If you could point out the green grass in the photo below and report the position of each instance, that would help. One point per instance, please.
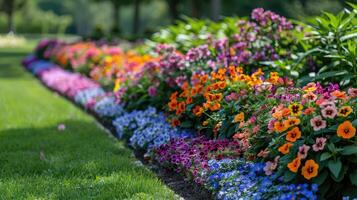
(37, 161)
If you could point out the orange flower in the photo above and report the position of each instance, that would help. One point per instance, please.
(175, 122)
(239, 117)
(222, 84)
(279, 126)
(346, 130)
(338, 94)
(291, 121)
(197, 110)
(310, 169)
(308, 111)
(172, 105)
(285, 148)
(204, 78)
(215, 106)
(294, 165)
(218, 97)
(293, 134)
(277, 115)
(344, 111)
(205, 123)
(189, 100)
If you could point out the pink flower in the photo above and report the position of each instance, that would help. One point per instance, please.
(318, 123)
(310, 96)
(303, 151)
(61, 127)
(271, 166)
(319, 144)
(352, 92)
(263, 153)
(152, 91)
(326, 104)
(256, 129)
(329, 112)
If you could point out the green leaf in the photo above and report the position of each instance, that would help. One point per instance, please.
(349, 36)
(186, 124)
(335, 167)
(349, 150)
(288, 176)
(353, 177)
(320, 179)
(325, 156)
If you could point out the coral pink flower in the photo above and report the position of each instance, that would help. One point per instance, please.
(318, 123)
(352, 92)
(326, 104)
(329, 112)
(319, 144)
(303, 151)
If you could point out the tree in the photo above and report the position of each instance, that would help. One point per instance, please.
(9, 7)
(216, 9)
(136, 17)
(173, 9)
(116, 4)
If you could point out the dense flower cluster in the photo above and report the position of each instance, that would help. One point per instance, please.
(233, 118)
(147, 129)
(191, 156)
(239, 179)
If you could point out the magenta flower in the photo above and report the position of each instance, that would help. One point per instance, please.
(329, 112)
(152, 91)
(303, 151)
(318, 123)
(319, 144)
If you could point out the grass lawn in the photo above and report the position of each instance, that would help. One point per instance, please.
(37, 161)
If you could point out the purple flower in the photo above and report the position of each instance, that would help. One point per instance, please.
(152, 91)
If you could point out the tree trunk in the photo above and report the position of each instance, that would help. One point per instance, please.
(136, 17)
(116, 19)
(173, 8)
(195, 8)
(9, 10)
(10, 22)
(216, 9)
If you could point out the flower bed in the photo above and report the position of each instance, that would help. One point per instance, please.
(214, 114)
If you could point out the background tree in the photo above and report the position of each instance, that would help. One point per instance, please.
(9, 7)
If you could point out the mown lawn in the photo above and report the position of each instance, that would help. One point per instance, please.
(37, 161)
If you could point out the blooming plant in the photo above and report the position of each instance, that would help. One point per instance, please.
(217, 102)
(239, 179)
(313, 137)
(191, 156)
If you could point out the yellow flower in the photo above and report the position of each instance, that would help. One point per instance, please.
(295, 109)
(117, 85)
(239, 117)
(344, 111)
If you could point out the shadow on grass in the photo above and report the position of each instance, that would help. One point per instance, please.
(10, 64)
(81, 150)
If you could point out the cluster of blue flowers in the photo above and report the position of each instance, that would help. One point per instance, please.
(39, 66)
(108, 107)
(147, 129)
(239, 179)
(85, 96)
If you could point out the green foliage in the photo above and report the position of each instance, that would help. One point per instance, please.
(333, 48)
